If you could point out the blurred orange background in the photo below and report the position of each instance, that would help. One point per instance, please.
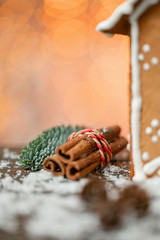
(56, 69)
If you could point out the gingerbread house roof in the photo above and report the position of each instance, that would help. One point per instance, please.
(119, 22)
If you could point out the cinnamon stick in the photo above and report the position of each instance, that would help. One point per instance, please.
(78, 146)
(80, 155)
(82, 148)
(54, 165)
(82, 167)
(111, 132)
(77, 169)
(118, 145)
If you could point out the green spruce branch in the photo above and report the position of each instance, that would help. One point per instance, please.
(33, 155)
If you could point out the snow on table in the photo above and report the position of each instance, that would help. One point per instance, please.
(36, 205)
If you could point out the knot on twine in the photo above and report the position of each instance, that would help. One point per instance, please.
(101, 142)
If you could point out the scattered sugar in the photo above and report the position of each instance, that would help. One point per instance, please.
(152, 185)
(4, 164)
(53, 208)
(69, 222)
(8, 212)
(114, 173)
(17, 164)
(9, 154)
(60, 205)
(18, 173)
(42, 181)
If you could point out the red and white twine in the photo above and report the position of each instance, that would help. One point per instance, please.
(101, 142)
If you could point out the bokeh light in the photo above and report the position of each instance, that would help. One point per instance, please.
(63, 9)
(75, 33)
(56, 69)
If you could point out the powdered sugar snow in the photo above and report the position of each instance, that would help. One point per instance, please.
(51, 206)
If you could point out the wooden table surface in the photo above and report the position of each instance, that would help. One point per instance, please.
(4, 235)
(66, 201)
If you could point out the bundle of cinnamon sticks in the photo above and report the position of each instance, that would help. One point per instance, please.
(80, 156)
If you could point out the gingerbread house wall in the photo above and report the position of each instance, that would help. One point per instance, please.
(149, 62)
(144, 81)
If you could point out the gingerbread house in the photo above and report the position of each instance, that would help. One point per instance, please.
(140, 19)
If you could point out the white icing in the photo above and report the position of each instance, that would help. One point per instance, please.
(145, 156)
(155, 123)
(146, 48)
(140, 57)
(125, 8)
(139, 176)
(158, 132)
(128, 147)
(128, 137)
(136, 99)
(148, 131)
(154, 61)
(154, 139)
(152, 166)
(146, 66)
(142, 7)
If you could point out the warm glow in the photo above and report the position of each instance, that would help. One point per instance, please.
(56, 69)
(84, 102)
(63, 9)
(74, 32)
(65, 5)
